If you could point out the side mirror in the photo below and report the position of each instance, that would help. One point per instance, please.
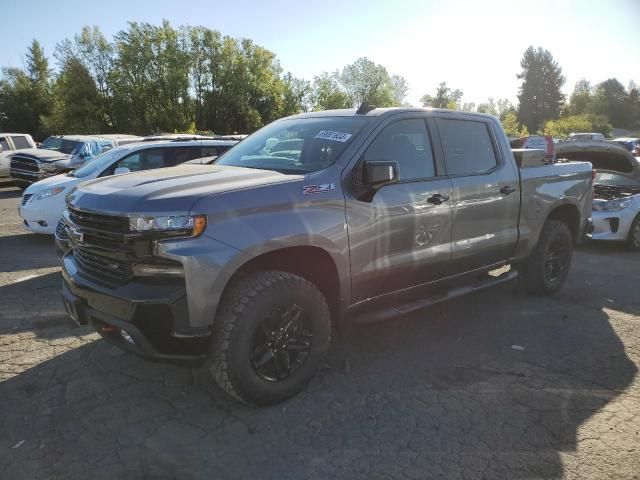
(121, 170)
(379, 173)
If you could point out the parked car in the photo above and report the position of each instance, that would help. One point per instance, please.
(631, 144)
(60, 154)
(616, 204)
(583, 137)
(249, 263)
(538, 142)
(43, 202)
(9, 144)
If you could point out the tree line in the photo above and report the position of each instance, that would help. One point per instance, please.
(157, 78)
(151, 79)
(543, 108)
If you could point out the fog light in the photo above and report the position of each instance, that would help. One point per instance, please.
(142, 270)
(42, 223)
(127, 337)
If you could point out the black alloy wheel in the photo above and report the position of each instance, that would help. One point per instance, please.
(281, 344)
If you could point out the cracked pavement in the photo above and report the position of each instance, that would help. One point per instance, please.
(436, 394)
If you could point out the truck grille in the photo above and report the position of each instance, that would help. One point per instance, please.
(99, 222)
(100, 268)
(25, 164)
(25, 198)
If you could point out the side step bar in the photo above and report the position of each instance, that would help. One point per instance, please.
(381, 315)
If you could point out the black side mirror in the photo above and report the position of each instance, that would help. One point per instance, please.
(379, 173)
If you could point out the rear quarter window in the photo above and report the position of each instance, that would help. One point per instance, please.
(20, 142)
(468, 147)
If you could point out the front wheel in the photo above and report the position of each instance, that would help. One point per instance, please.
(271, 336)
(546, 270)
(633, 240)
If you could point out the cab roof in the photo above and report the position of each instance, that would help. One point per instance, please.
(379, 112)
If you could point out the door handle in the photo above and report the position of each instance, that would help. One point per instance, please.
(437, 199)
(507, 189)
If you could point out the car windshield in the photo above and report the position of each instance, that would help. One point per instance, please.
(62, 145)
(99, 163)
(299, 145)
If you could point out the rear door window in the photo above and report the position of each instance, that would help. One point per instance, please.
(468, 147)
(4, 143)
(178, 155)
(20, 142)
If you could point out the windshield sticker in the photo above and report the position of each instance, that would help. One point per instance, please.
(334, 136)
(321, 188)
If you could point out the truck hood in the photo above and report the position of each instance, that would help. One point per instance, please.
(43, 155)
(168, 190)
(604, 156)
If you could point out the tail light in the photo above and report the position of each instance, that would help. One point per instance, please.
(551, 149)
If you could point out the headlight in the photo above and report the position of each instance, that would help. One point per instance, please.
(48, 193)
(48, 167)
(183, 225)
(612, 205)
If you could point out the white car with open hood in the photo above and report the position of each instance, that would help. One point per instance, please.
(616, 204)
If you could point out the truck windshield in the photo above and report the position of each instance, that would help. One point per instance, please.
(299, 145)
(62, 145)
(99, 163)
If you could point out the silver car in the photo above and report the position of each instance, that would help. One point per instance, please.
(616, 204)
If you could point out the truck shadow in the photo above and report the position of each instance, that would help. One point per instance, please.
(27, 251)
(440, 393)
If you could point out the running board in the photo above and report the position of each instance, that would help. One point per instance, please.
(381, 315)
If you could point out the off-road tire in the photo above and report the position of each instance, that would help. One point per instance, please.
(536, 280)
(244, 305)
(633, 241)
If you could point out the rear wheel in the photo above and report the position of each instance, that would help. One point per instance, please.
(271, 336)
(548, 266)
(633, 240)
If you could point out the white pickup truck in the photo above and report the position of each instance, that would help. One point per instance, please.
(9, 143)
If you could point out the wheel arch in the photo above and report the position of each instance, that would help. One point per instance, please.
(312, 263)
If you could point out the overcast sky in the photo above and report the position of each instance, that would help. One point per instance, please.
(475, 46)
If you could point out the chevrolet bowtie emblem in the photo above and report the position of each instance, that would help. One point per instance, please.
(78, 237)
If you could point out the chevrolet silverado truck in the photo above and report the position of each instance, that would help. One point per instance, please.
(250, 264)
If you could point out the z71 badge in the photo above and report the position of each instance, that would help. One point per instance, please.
(321, 188)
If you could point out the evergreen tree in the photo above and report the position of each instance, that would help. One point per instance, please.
(540, 97)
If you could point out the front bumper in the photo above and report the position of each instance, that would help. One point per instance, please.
(146, 316)
(39, 219)
(612, 226)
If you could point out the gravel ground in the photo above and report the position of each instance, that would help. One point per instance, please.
(438, 394)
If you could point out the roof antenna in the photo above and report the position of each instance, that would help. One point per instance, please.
(365, 108)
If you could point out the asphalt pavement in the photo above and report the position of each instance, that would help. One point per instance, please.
(495, 385)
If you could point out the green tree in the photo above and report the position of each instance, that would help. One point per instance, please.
(581, 98)
(77, 102)
(585, 122)
(444, 98)
(511, 126)
(612, 100)
(327, 94)
(540, 98)
(25, 95)
(366, 81)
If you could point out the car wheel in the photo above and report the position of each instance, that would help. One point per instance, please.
(548, 266)
(271, 336)
(633, 239)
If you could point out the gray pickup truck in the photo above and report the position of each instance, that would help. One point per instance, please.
(250, 264)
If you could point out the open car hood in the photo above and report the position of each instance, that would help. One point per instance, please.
(604, 156)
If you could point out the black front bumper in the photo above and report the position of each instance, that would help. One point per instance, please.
(145, 316)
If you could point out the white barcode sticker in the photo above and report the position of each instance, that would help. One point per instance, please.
(334, 136)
